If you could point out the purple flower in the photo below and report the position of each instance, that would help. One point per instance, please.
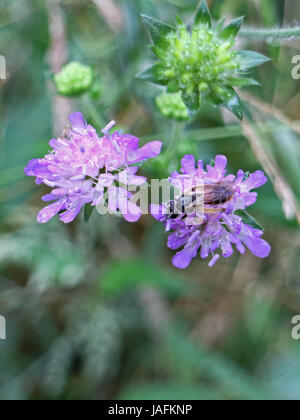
(83, 168)
(211, 224)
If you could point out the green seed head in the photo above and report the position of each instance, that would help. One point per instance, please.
(74, 79)
(201, 62)
(197, 61)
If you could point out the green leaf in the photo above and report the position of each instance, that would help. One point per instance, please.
(241, 82)
(234, 105)
(229, 99)
(233, 28)
(173, 86)
(179, 21)
(88, 211)
(219, 25)
(154, 74)
(203, 14)
(218, 368)
(122, 276)
(157, 28)
(170, 391)
(249, 220)
(250, 59)
(158, 51)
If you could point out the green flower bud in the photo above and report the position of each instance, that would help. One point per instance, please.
(172, 106)
(201, 62)
(74, 79)
(204, 87)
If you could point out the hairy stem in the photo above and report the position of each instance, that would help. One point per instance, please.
(93, 113)
(176, 137)
(273, 33)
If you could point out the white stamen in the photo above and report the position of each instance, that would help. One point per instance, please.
(214, 260)
(107, 129)
(106, 132)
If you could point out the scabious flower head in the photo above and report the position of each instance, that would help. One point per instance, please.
(200, 62)
(74, 79)
(172, 106)
(83, 168)
(218, 227)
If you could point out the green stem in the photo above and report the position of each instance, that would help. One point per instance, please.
(273, 33)
(93, 113)
(176, 138)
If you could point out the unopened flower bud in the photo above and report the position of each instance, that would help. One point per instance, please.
(172, 106)
(74, 79)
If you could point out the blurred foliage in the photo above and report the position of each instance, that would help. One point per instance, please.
(95, 311)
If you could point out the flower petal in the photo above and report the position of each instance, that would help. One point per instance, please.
(177, 239)
(38, 168)
(126, 178)
(50, 211)
(183, 258)
(126, 141)
(188, 165)
(70, 215)
(78, 122)
(255, 180)
(105, 180)
(49, 197)
(130, 211)
(205, 249)
(240, 176)
(150, 150)
(220, 165)
(158, 212)
(259, 247)
(219, 170)
(226, 247)
(245, 200)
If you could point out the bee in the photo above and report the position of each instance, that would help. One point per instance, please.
(206, 199)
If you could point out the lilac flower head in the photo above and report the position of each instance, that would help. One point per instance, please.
(83, 168)
(212, 223)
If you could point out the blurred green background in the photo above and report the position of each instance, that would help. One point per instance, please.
(96, 311)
